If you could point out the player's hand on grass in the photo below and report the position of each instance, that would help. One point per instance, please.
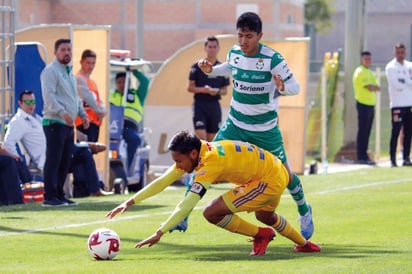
(120, 208)
(151, 240)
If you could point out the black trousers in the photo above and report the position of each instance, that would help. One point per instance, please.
(23, 171)
(85, 176)
(401, 118)
(10, 190)
(59, 139)
(366, 115)
(92, 132)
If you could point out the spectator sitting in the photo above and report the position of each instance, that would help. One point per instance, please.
(25, 127)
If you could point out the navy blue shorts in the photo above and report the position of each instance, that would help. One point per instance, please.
(207, 115)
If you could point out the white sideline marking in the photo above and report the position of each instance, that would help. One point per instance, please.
(365, 185)
(118, 219)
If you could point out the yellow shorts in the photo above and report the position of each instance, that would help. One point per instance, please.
(263, 194)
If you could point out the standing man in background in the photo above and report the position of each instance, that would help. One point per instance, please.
(87, 89)
(365, 87)
(399, 74)
(61, 106)
(207, 90)
(133, 110)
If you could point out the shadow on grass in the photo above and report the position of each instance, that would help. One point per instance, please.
(217, 253)
(102, 206)
(220, 252)
(84, 204)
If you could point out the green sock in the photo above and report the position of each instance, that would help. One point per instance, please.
(296, 190)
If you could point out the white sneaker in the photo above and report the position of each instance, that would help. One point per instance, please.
(306, 224)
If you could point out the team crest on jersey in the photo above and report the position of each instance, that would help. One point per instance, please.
(260, 64)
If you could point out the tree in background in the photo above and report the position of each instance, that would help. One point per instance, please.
(317, 20)
(318, 13)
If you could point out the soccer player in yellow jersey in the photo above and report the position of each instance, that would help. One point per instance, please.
(260, 180)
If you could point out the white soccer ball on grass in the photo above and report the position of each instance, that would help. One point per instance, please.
(103, 244)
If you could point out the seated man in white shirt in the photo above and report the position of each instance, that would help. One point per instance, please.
(26, 128)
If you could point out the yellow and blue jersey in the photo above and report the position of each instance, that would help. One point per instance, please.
(234, 161)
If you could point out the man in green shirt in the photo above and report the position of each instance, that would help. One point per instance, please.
(365, 87)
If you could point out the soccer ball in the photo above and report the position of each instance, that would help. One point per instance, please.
(103, 244)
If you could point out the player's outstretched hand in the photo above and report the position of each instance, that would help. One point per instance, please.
(120, 208)
(205, 65)
(151, 240)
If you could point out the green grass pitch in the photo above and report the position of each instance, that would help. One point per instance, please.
(362, 221)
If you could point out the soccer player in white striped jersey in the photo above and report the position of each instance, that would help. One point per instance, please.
(260, 74)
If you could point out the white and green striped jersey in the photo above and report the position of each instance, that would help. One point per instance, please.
(254, 104)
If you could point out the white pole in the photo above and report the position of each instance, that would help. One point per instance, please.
(324, 130)
(378, 117)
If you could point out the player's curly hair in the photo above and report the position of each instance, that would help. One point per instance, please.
(184, 142)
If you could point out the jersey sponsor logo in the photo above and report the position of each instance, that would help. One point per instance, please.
(242, 87)
(258, 77)
(244, 76)
(247, 76)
